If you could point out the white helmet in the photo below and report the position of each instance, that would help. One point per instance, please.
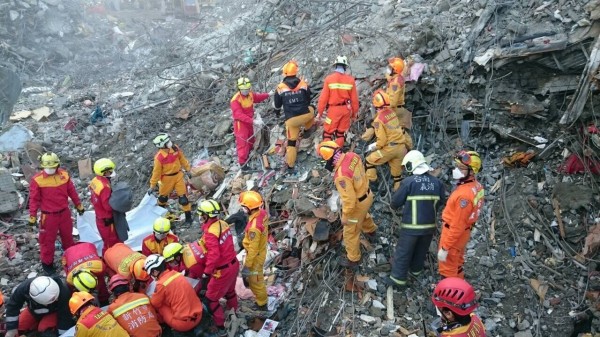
(152, 262)
(44, 290)
(415, 162)
(343, 60)
(161, 140)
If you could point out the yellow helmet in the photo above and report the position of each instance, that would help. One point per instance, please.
(161, 225)
(49, 160)
(327, 149)
(470, 159)
(290, 68)
(251, 199)
(161, 140)
(84, 280)
(341, 60)
(243, 83)
(171, 250)
(102, 165)
(209, 207)
(397, 65)
(380, 99)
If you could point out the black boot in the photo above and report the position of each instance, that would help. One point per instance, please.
(188, 218)
(48, 269)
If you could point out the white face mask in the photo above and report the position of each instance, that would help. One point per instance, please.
(170, 144)
(388, 71)
(160, 236)
(113, 174)
(245, 92)
(457, 174)
(50, 171)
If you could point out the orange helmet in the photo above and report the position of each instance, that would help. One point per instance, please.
(290, 68)
(380, 99)
(1, 299)
(78, 300)
(397, 65)
(327, 149)
(251, 199)
(137, 270)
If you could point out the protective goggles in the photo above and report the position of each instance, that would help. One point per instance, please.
(463, 157)
(463, 306)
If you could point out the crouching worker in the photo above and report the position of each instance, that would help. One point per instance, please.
(174, 298)
(132, 311)
(174, 257)
(91, 320)
(86, 270)
(455, 299)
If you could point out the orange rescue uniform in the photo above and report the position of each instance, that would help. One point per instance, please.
(94, 322)
(459, 216)
(176, 301)
(151, 246)
(395, 90)
(474, 329)
(255, 243)
(353, 186)
(168, 175)
(340, 97)
(135, 314)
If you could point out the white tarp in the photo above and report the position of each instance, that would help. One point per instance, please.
(140, 221)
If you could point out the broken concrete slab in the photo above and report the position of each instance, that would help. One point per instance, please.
(9, 197)
(15, 138)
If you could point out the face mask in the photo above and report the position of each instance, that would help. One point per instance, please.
(170, 144)
(50, 171)
(457, 174)
(245, 92)
(388, 71)
(160, 236)
(245, 209)
(113, 174)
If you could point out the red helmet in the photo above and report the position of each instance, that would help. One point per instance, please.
(115, 281)
(455, 294)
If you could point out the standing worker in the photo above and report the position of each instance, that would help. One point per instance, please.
(47, 311)
(49, 191)
(256, 236)
(352, 184)
(293, 95)
(456, 300)
(132, 311)
(160, 237)
(242, 109)
(167, 173)
(395, 90)
(390, 146)
(101, 190)
(91, 320)
(460, 214)
(421, 196)
(340, 98)
(221, 265)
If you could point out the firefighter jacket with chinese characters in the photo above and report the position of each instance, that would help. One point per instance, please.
(422, 196)
(94, 322)
(218, 240)
(136, 315)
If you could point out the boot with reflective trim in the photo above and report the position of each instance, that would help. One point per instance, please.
(394, 282)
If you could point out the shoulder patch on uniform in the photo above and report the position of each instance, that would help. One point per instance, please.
(376, 125)
(394, 87)
(342, 184)
(252, 235)
(463, 203)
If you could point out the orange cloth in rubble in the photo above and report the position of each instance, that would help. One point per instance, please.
(151, 246)
(338, 89)
(176, 301)
(94, 322)
(136, 315)
(168, 162)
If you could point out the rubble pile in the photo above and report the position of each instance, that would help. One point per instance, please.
(504, 78)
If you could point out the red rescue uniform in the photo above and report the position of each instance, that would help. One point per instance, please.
(100, 195)
(84, 255)
(50, 194)
(474, 329)
(151, 246)
(242, 109)
(194, 258)
(459, 216)
(340, 98)
(136, 315)
(222, 265)
(176, 301)
(94, 322)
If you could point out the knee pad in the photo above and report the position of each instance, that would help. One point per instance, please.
(327, 135)
(339, 134)
(163, 199)
(183, 200)
(397, 178)
(291, 142)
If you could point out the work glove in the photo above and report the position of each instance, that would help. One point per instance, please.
(258, 122)
(80, 210)
(442, 255)
(246, 271)
(108, 222)
(271, 93)
(372, 147)
(32, 222)
(12, 333)
(152, 190)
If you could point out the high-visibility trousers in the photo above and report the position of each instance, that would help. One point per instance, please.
(292, 127)
(360, 221)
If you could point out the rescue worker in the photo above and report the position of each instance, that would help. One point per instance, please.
(167, 173)
(160, 237)
(194, 259)
(49, 192)
(221, 265)
(352, 184)
(133, 311)
(340, 98)
(140, 278)
(395, 89)
(460, 214)
(100, 188)
(420, 196)
(256, 236)
(83, 280)
(242, 109)
(456, 301)
(47, 307)
(174, 298)
(82, 260)
(293, 95)
(390, 146)
(174, 257)
(91, 320)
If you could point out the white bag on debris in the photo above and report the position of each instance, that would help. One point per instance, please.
(138, 219)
